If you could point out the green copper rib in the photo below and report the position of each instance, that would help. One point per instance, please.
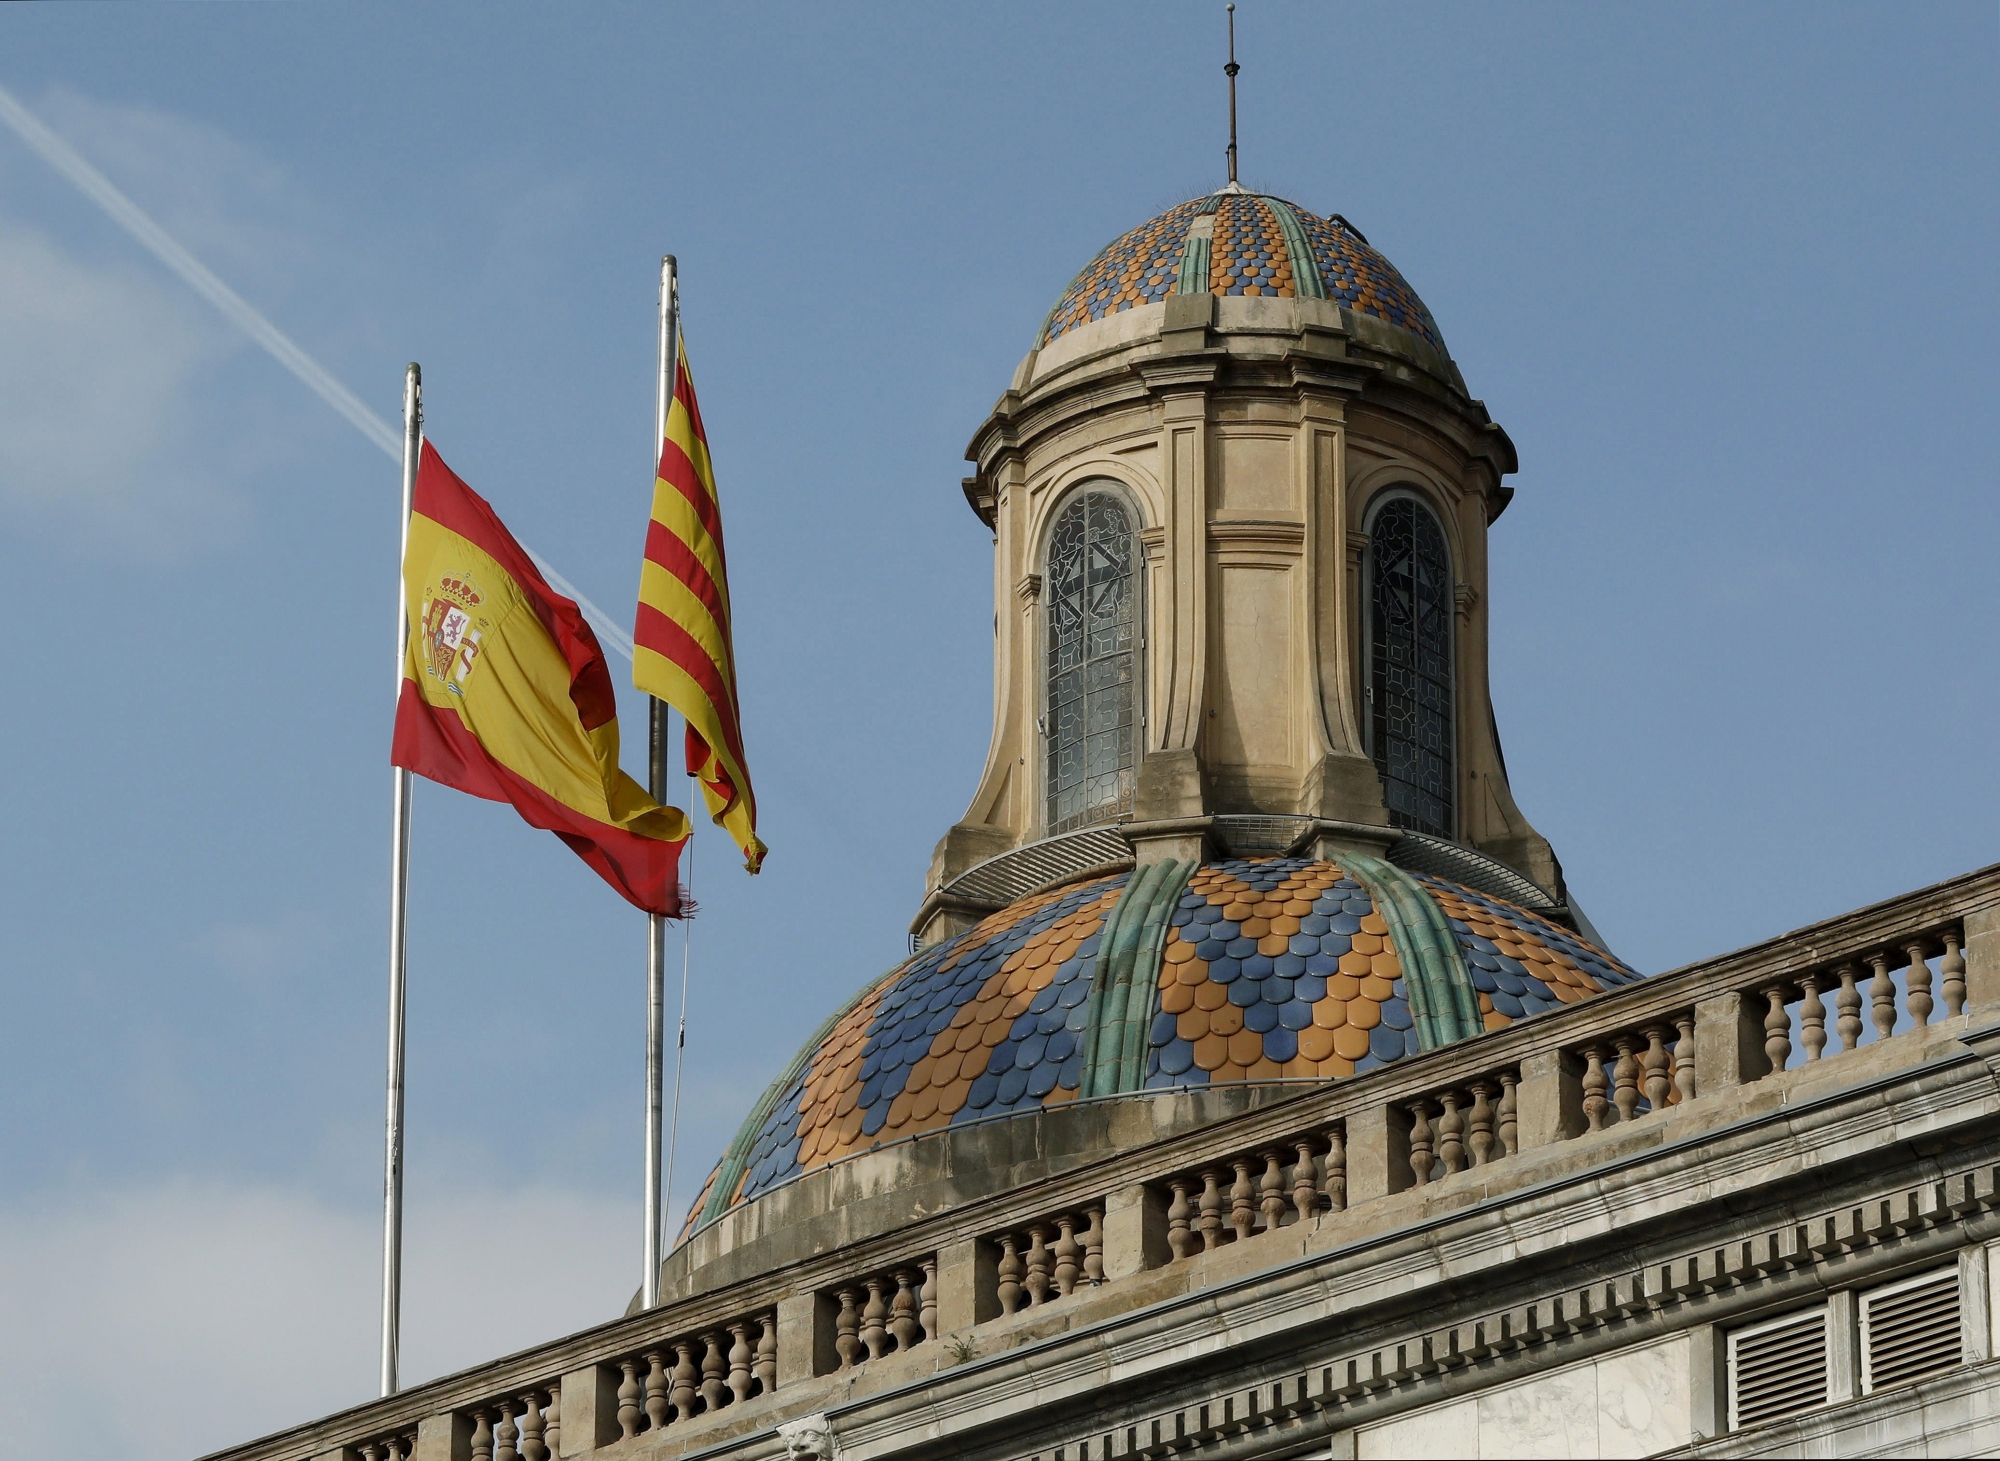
(1306, 282)
(1194, 267)
(1144, 979)
(1443, 1005)
(1121, 988)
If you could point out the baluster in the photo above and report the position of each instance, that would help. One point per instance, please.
(506, 1435)
(1242, 1199)
(1684, 1058)
(1479, 1123)
(533, 1447)
(1271, 1192)
(1655, 1078)
(1882, 996)
(1595, 1084)
(1848, 1002)
(1336, 1167)
(403, 1447)
(1952, 968)
(1777, 1028)
(903, 1321)
(628, 1400)
(767, 1355)
(1625, 1080)
(1508, 1127)
(686, 1380)
(1041, 1264)
(1919, 982)
(927, 1300)
(552, 1419)
(1180, 1228)
(372, 1451)
(482, 1439)
(1305, 1179)
(714, 1373)
(875, 1320)
(657, 1398)
(1068, 1255)
(1812, 1017)
(742, 1384)
(849, 1327)
(1451, 1136)
(1093, 1247)
(1012, 1271)
(1210, 1222)
(1420, 1141)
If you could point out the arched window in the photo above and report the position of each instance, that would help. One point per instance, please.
(1091, 608)
(1411, 696)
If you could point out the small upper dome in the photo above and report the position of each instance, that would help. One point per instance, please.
(1241, 243)
(1250, 970)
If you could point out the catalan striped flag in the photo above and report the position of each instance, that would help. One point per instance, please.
(682, 649)
(506, 695)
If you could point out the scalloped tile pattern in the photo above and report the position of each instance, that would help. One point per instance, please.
(1360, 278)
(1138, 268)
(1249, 255)
(987, 1023)
(1521, 964)
(1276, 969)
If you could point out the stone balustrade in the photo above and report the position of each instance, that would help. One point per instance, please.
(974, 1276)
(886, 1312)
(1049, 1259)
(1237, 1196)
(1462, 1127)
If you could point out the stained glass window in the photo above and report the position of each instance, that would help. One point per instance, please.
(1410, 692)
(1091, 608)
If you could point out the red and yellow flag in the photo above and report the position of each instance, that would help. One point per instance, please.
(506, 695)
(683, 652)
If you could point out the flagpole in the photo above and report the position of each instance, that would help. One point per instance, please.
(399, 890)
(656, 926)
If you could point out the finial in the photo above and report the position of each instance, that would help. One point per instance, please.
(1230, 71)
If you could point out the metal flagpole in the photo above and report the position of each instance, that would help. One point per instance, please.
(656, 926)
(399, 891)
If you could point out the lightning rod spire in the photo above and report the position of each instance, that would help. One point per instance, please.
(1230, 71)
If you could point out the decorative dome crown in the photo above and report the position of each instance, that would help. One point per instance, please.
(1252, 970)
(1234, 242)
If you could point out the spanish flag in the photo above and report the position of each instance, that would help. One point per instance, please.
(683, 653)
(506, 695)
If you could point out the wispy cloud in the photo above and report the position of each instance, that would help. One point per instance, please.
(128, 215)
(171, 1320)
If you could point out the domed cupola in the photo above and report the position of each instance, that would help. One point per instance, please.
(1235, 243)
(1244, 821)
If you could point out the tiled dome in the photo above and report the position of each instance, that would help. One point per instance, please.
(1256, 970)
(1239, 243)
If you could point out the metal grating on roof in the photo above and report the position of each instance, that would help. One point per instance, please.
(1422, 853)
(1019, 872)
(1248, 836)
(1909, 1330)
(1777, 1368)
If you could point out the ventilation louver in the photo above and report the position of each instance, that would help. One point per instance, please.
(1777, 1368)
(1909, 1330)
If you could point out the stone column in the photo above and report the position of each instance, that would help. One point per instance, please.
(1728, 1042)
(1378, 1154)
(805, 1338)
(444, 1438)
(1549, 1099)
(968, 1285)
(589, 1409)
(1982, 964)
(1135, 1231)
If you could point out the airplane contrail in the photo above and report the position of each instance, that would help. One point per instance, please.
(128, 215)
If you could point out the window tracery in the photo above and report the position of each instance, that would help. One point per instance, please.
(1411, 692)
(1091, 639)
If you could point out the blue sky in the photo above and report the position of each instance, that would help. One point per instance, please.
(1724, 273)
